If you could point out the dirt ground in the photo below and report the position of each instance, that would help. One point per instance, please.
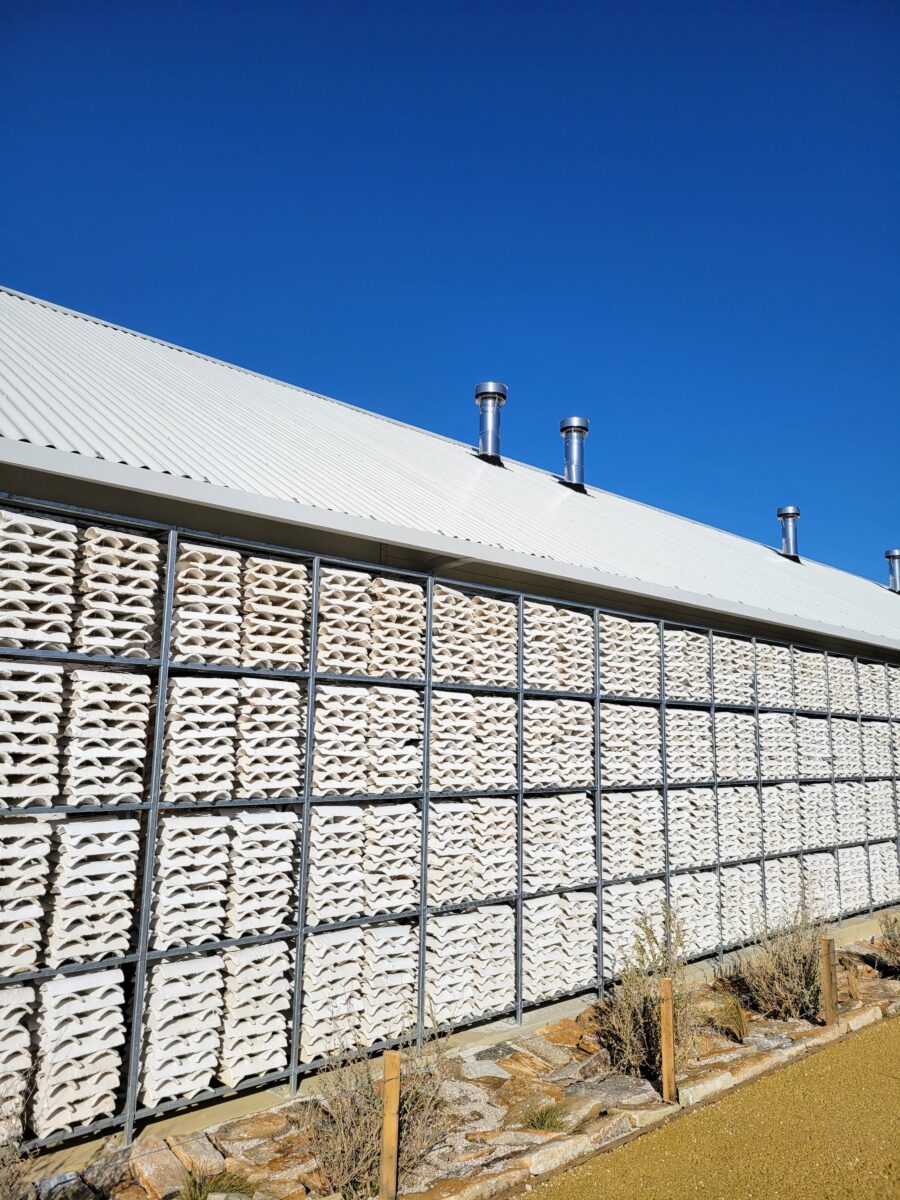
(827, 1127)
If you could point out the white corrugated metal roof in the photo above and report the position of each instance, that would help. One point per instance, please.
(142, 413)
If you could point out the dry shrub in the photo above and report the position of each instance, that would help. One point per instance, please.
(782, 976)
(890, 939)
(345, 1124)
(201, 1184)
(627, 1021)
(13, 1182)
(731, 1019)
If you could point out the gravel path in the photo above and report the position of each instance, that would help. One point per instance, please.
(826, 1127)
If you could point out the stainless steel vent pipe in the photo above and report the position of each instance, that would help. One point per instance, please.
(788, 515)
(490, 398)
(574, 430)
(893, 557)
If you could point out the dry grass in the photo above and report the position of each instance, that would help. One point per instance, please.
(545, 1118)
(345, 1125)
(782, 976)
(730, 1018)
(201, 1184)
(13, 1184)
(890, 939)
(627, 1021)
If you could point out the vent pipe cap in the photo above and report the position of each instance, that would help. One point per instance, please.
(490, 398)
(575, 424)
(893, 557)
(788, 515)
(788, 510)
(574, 430)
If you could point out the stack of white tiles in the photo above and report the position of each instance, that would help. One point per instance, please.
(473, 742)
(877, 757)
(818, 822)
(630, 745)
(695, 903)
(740, 823)
(469, 966)
(880, 817)
(742, 902)
(777, 746)
(190, 879)
(846, 747)
(345, 622)
(118, 584)
(733, 670)
(79, 1032)
(578, 928)
(183, 1029)
(452, 639)
(687, 665)
(850, 802)
(624, 904)
(262, 862)
(336, 887)
(31, 706)
(91, 901)
(736, 756)
(474, 639)
(199, 748)
(813, 748)
(24, 872)
(842, 685)
(558, 842)
(821, 894)
(389, 993)
(275, 614)
(689, 746)
(692, 827)
(853, 866)
(397, 647)
(333, 969)
(885, 875)
(629, 657)
(893, 675)
(393, 835)
(206, 618)
(774, 676)
(37, 582)
(471, 849)
(559, 945)
(873, 690)
(394, 730)
(106, 737)
(540, 639)
(558, 649)
(782, 832)
(559, 743)
(15, 1060)
(784, 892)
(633, 842)
(340, 765)
(258, 988)
(811, 679)
(271, 720)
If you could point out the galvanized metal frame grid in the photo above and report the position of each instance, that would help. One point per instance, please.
(164, 664)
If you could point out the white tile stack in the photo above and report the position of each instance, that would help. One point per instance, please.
(558, 649)
(735, 746)
(893, 674)
(633, 841)
(880, 820)
(258, 989)
(16, 1003)
(262, 871)
(340, 763)
(781, 818)
(842, 685)
(850, 802)
(877, 757)
(334, 966)
(559, 743)
(345, 622)
(190, 879)
(271, 721)
(37, 582)
(471, 849)
(777, 746)
(393, 835)
(739, 823)
(183, 1028)
(470, 964)
(695, 902)
(883, 867)
(199, 749)
(473, 742)
(873, 690)
(91, 900)
(559, 945)
(784, 893)
(814, 748)
(452, 639)
(106, 737)
(336, 887)
(629, 657)
(854, 871)
(687, 665)
(846, 746)
(774, 676)
(397, 648)
(689, 747)
(742, 902)
(733, 670)
(820, 886)
(394, 731)
(692, 827)
(275, 610)
(31, 705)
(558, 842)
(811, 679)
(24, 873)
(818, 825)
(118, 590)
(623, 905)
(474, 639)
(206, 617)
(630, 745)
(389, 994)
(79, 1035)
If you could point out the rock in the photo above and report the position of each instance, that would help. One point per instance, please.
(282, 1189)
(523, 1064)
(473, 1066)
(108, 1171)
(156, 1168)
(65, 1187)
(520, 1091)
(234, 1136)
(562, 1033)
(755, 1064)
(616, 1091)
(702, 1087)
(227, 1196)
(542, 1048)
(767, 1041)
(495, 1052)
(589, 1043)
(598, 1066)
(641, 1118)
(608, 1129)
(582, 1108)
(126, 1191)
(468, 1105)
(859, 1019)
(482, 1188)
(553, 1155)
(567, 1074)
(286, 1158)
(197, 1153)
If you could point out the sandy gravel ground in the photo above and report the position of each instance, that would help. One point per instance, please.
(822, 1128)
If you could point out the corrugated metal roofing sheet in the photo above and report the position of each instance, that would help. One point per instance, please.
(81, 386)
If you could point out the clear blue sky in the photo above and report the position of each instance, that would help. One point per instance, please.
(681, 219)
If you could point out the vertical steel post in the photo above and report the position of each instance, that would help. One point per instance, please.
(834, 803)
(136, 1033)
(598, 806)
(797, 769)
(426, 814)
(661, 625)
(303, 877)
(520, 806)
(862, 775)
(712, 718)
(895, 762)
(759, 789)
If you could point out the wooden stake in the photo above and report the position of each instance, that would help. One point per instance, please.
(667, 1039)
(829, 980)
(390, 1127)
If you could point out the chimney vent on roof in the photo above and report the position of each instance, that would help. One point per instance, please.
(490, 398)
(574, 430)
(788, 515)
(893, 557)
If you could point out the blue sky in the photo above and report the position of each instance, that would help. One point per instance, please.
(679, 219)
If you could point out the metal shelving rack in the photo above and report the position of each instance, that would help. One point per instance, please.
(163, 666)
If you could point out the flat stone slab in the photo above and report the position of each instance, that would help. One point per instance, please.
(616, 1091)
(551, 1054)
(553, 1155)
(156, 1168)
(197, 1153)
